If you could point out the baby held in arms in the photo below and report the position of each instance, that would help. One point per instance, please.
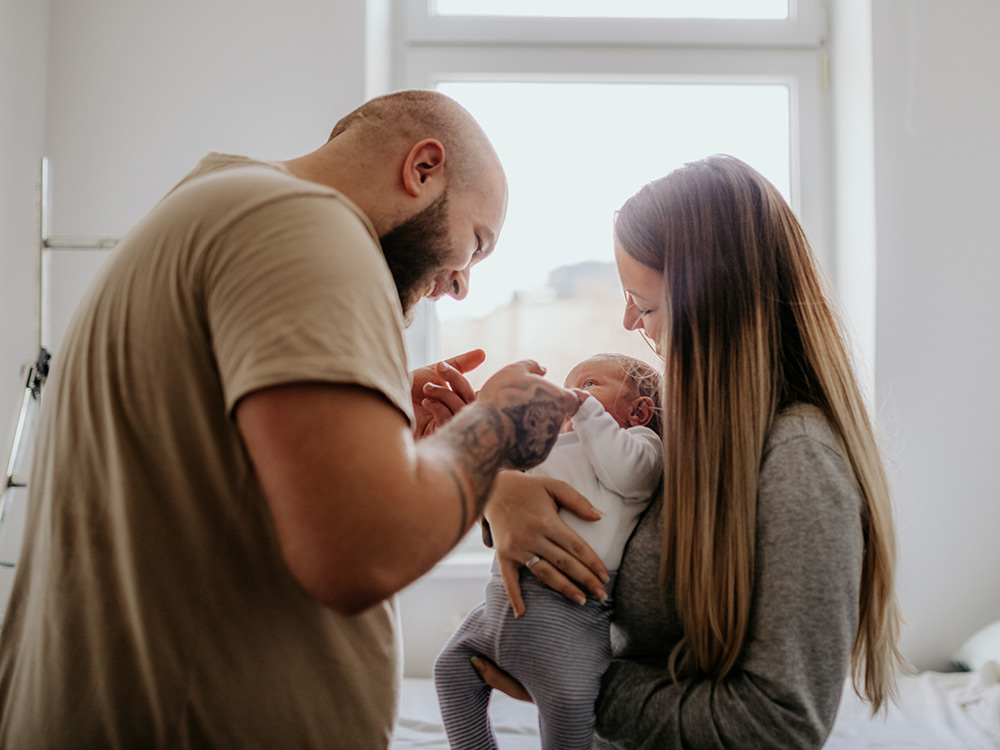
(610, 451)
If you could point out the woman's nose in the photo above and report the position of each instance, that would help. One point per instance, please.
(632, 318)
(459, 288)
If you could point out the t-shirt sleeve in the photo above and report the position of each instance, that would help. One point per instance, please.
(786, 688)
(297, 290)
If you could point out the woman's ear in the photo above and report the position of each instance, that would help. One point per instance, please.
(424, 161)
(643, 409)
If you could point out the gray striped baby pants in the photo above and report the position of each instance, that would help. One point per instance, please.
(558, 650)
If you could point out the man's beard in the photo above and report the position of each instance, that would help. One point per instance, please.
(415, 251)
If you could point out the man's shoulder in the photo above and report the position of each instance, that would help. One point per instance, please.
(241, 175)
(232, 165)
(245, 185)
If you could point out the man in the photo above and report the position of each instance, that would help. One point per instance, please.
(226, 489)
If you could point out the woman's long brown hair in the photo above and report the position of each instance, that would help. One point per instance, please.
(748, 330)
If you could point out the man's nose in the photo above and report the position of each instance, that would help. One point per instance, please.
(459, 288)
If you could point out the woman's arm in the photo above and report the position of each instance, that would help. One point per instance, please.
(523, 513)
(786, 688)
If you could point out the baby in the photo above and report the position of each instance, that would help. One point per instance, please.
(610, 451)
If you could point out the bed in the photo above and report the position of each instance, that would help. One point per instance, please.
(935, 711)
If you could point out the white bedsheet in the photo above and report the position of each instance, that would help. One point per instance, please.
(419, 724)
(935, 711)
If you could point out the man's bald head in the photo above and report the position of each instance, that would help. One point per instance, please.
(422, 170)
(410, 116)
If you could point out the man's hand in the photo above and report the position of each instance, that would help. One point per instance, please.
(440, 390)
(532, 410)
(513, 424)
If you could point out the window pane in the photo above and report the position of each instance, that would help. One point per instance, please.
(721, 9)
(574, 152)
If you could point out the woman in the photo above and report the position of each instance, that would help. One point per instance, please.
(765, 572)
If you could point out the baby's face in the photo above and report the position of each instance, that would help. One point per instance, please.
(606, 381)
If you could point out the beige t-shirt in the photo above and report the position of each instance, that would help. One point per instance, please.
(152, 606)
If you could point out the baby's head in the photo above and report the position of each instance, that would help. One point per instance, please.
(628, 388)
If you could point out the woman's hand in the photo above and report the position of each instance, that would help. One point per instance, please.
(524, 521)
(496, 678)
(438, 391)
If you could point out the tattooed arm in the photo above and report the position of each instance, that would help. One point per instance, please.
(512, 425)
(360, 509)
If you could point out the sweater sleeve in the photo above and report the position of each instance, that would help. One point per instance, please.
(786, 688)
(628, 461)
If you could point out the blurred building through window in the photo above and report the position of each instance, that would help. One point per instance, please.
(577, 314)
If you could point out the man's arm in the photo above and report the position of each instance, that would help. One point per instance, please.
(360, 509)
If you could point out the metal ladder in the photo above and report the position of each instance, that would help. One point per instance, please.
(33, 374)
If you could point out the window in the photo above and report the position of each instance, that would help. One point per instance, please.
(583, 111)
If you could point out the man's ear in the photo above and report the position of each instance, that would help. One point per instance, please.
(424, 162)
(643, 409)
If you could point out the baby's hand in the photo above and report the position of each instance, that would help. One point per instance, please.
(581, 396)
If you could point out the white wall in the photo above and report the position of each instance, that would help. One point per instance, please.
(937, 187)
(138, 92)
(124, 97)
(23, 62)
(854, 179)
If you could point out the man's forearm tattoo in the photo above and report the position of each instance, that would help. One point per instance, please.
(480, 445)
(536, 427)
(487, 438)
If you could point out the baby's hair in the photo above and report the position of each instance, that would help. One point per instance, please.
(647, 380)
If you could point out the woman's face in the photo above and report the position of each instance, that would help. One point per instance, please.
(643, 295)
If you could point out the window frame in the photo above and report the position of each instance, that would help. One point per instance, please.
(805, 27)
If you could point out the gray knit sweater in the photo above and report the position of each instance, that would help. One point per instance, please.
(785, 690)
